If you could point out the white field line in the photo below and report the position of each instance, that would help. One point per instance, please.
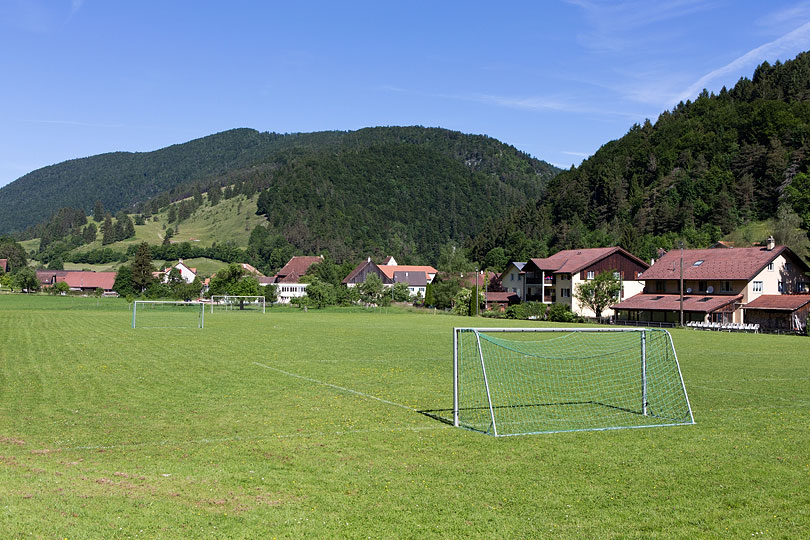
(217, 440)
(336, 387)
(769, 396)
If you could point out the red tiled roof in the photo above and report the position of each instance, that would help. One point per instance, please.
(90, 280)
(779, 302)
(389, 270)
(725, 264)
(571, 261)
(468, 279)
(671, 302)
(502, 297)
(295, 268)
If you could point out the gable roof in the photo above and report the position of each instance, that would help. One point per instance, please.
(89, 280)
(779, 302)
(389, 271)
(571, 261)
(724, 264)
(295, 268)
(361, 267)
(672, 302)
(414, 279)
(250, 269)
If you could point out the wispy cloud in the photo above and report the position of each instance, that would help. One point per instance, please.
(537, 103)
(75, 6)
(785, 18)
(790, 43)
(577, 154)
(614, 25)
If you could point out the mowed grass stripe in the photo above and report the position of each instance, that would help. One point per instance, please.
(182, 436)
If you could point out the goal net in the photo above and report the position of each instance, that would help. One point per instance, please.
(545, 380)
(241, 303)
(167, 314)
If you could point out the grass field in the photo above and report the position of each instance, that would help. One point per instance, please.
(304, 425)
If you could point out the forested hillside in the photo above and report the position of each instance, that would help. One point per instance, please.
(703, 169)
(122, 180)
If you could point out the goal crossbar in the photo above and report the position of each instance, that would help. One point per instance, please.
(507, 382)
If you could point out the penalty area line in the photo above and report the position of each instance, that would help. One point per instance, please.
(335, 386)
(219, 440)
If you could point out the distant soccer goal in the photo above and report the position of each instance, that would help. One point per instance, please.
(167, 314)
(516, 381)
(227, 302)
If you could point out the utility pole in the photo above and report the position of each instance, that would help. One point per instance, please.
(681, 287)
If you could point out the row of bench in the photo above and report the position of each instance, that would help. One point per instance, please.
(724, 327)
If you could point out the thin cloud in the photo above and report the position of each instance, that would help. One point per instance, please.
(615, 25)
(577, 154)
(797, 40)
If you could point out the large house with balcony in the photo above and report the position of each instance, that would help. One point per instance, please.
(553, 280)
(717, 285)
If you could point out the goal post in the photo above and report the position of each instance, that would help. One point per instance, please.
(516, 381)
(167, 314)
(230, 302)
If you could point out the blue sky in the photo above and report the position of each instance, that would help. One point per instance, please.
(556, 79)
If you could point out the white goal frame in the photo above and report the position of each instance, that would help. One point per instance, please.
(200, 324)
(643, 387)
(227, 297)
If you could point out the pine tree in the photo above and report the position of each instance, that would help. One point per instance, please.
(107, 230)
(98, 212)
(142, 268)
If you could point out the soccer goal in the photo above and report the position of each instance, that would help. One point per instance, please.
(167, 314)
(517, 381)
(228, 302)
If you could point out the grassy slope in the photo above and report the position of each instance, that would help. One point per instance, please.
(230, 220)
(226, 433)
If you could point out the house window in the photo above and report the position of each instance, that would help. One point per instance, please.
(757, 286)
(702, 286)
(787, 267)
(660, 286)
(770, 266)
(726, 286)
(590, 274)
(520, 277)
(617, 275)
(511, 277)
(565, 293)
(779, 286)
(697, 263)
(801, 287)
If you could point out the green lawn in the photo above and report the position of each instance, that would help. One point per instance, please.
(302, 425)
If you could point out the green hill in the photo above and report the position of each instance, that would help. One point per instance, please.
(702, 170)
(121, 180)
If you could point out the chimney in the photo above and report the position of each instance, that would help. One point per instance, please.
(770, 243)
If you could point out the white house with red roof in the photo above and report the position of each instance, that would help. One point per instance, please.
(288, 279)
(553, 280)
(718, 284)
(188, 274)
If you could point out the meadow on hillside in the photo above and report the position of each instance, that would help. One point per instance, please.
(301, 424)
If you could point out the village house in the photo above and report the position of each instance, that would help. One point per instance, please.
(288, 279)
(390, 272)
(553, 280)
(79, 280)
(188, 274)
(729, 285)
(3, 265)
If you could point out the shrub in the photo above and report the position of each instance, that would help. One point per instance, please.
(561, 313)
(526, 310)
